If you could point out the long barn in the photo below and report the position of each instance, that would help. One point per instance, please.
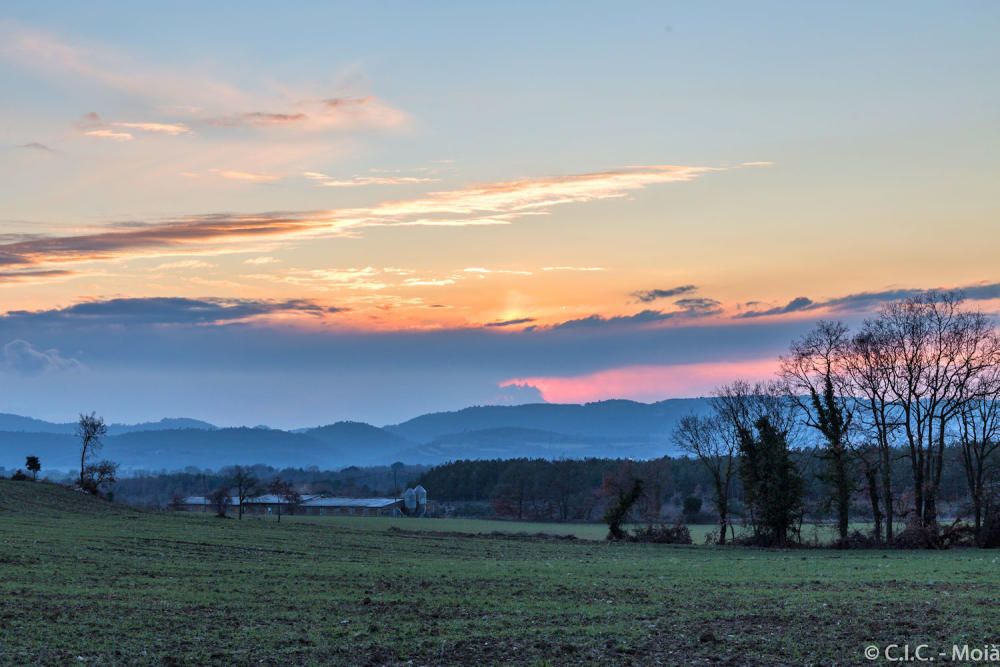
(309, 505)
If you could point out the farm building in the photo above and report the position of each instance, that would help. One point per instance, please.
(352, 506)
(311, 505)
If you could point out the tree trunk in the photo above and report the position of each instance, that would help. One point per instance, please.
(887, 492)
(843, 491)
(722, 503)
(978, 502)
(83, 461)
(930, 509)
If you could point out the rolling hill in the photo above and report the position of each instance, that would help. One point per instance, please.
(617, 419)
(608, 428)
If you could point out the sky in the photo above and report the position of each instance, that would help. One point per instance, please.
(293, 214)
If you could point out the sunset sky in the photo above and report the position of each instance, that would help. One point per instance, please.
(251, 213)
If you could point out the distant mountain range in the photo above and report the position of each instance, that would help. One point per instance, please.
(616, 428)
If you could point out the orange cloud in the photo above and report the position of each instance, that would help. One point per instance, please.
(156, 128)
(360, 181)
(31, 277)
(534, 195)
(225, 104)
(489, 204)
(247, 176)
(109, 134)
(153, 239)
(647, 382)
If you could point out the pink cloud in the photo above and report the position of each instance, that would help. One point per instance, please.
(645, 383)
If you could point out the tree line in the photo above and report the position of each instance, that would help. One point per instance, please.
(577, 489)
(896, 423)
(916, 381)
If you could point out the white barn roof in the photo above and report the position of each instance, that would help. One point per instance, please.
(307, 501)
(370, 503)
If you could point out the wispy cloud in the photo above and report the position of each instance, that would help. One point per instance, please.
(510, 323)
(497, 203)
(245, 176)
(528, 196)
(109, 134)
(259, 119)
(866, 301)
(365, 278)
(92, 125)
(431, 282)
(700, 306)
(573, 268)
(171, 129)
(795, 305)
(194, 99)
(154, 239)
(184, 264)
(594, 321)
(166, 311)
(687, 309)
(20, 356)
(260, 261)
(362, 181)
(647, 296)
(45, 275)
(367, 112)
(481, 271)
(36, 146)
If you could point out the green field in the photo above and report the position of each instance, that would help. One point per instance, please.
(84, 582)
(823, 534)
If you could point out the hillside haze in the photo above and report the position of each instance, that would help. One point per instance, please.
(616, 428)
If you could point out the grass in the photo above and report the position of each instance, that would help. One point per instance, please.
(584, 531)
(822, 533)
(86, 582)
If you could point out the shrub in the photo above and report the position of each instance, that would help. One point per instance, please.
(916, 536)
(692, 507)
(618, 511)
(662, 534)
(857, 540)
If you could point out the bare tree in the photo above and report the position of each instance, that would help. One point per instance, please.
(286, 492)
(741, 404)
(978, 431)
(817, 384)
(870, 365)
(245, 482)
(715, 444)
(762, 420)
(869, 456)
(90, 429)
(220, 499)
(101, 476)
(942, 352)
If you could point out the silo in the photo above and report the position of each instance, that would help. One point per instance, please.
(421, 494)
(410, 501)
